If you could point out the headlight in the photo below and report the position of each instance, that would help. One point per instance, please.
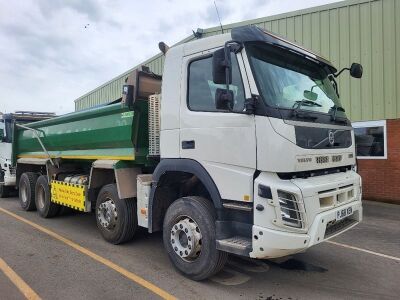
(291, 213)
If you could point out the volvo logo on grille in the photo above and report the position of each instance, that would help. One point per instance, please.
(331, 137)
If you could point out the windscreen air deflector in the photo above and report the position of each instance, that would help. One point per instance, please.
(251, 33)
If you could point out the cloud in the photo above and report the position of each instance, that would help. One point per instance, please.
(49, 58)
(90, 8)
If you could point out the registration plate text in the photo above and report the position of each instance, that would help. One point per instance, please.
(343, 213)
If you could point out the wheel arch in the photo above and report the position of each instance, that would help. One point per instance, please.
(169, 168)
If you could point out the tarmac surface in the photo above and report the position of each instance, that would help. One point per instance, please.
(66, 258)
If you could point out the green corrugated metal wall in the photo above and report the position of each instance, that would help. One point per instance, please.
(365, 31)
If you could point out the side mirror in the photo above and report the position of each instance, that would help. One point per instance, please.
(224, 99)
(356, 70)
(220, 66)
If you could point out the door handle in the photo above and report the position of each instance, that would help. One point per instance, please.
(188, 144)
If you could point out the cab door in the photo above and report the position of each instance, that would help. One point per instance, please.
(222, 141)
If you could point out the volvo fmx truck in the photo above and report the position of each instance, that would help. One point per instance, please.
(242, 147)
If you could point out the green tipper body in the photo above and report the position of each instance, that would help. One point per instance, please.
(108, 132)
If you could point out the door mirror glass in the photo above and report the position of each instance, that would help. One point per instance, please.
(219, 66)
(224, 99)
(356, 70)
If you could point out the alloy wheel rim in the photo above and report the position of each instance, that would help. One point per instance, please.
(41, 197)
(107, 214)
(186, 239)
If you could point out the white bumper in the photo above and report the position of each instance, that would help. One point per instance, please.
(272, 239)
(274, 243)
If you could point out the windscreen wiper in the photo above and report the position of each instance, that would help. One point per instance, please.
(335, 109)
(298, 104)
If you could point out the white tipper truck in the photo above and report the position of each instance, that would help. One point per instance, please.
(258, 121)
(253, 154)
(7, 169)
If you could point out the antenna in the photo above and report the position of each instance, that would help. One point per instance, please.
(216, 8)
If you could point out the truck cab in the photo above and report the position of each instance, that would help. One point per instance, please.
(7, 124)
(280, 150)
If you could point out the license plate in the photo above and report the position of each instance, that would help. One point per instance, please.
(343, 213)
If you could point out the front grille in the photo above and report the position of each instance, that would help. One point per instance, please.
(322, 138)
(334, 227)
(313, 173)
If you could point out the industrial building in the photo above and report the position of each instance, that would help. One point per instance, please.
(364, 31)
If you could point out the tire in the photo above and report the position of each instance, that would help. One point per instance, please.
(197, 215)
(4, 191)
(116, 218)
(27, 184)
(44, 206)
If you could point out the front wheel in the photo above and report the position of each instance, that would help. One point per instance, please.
(189, 238)
(116, 218)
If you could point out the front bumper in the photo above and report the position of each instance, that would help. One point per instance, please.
(269, 243)
(271, 239)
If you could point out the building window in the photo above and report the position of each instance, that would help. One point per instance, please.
(371, 140)
(201, 96)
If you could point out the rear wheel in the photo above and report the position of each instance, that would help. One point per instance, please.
(116, 218)
(27, 184)
(189, 238)
(45, 207)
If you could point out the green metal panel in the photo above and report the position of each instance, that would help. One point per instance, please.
(366, 31)
(107, 132)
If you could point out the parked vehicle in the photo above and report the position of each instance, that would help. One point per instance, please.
(241, 147)
(7, 122)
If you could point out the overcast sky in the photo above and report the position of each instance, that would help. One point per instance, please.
(48, 58)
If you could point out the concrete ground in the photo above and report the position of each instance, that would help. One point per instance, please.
(363, 263)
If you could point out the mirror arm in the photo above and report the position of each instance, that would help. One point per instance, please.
(227, 64)
(340, 72)
(334, 82)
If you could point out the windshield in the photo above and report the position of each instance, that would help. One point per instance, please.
(287, 80)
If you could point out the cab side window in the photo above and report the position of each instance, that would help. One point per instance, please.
(201, 88)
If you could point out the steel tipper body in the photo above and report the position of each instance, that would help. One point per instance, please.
(107, 132)
(245, 149)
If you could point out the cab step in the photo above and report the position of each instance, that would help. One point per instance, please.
(237, 245)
